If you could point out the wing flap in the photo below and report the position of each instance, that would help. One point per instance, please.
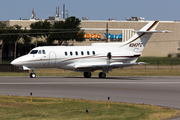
(116, 64)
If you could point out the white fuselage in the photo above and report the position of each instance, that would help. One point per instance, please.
(73, 56)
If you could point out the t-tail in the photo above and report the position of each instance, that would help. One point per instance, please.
(138, 41)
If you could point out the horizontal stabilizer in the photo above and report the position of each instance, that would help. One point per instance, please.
(166, 31)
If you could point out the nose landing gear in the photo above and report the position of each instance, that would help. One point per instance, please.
(32, 75)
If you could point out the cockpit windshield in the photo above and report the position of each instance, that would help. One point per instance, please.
(34, 52)
(37, 52)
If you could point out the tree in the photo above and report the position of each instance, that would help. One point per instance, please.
(40, 29)
(5, 36)
(17, 34)
(66, 30)
(2, 31)
(26, 45)
(46, 28)
(12, 34)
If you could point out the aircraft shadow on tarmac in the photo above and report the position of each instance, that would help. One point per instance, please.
(107, 78)
(117, 78)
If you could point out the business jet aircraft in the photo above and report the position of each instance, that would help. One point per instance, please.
(98, 56)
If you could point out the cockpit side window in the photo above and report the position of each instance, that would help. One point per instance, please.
(43, 51)
(39, 52)
(34, 52)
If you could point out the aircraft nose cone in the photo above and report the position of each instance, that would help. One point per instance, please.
(14, 62)
(19, 61)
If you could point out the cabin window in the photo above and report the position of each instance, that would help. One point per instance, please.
(43, 51)
(39, 52)
(82, 53)
(76, 53)
(66, 53)
(34, 52)
(71, 53)
(93, 52)
(109, 55)
(87, 52)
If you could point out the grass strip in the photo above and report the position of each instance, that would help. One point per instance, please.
(115, 72)
(20, 108)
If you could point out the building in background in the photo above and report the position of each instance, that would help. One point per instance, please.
(159, 45)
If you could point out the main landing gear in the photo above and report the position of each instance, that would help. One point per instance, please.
(102, 75)
(88, 75)
(32, 75)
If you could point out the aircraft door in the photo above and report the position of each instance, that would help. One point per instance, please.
(52, 59)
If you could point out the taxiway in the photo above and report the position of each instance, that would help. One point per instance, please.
(161, 91)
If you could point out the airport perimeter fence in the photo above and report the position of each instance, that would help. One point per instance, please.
(150, 64)
(158, 64)
(10, 68)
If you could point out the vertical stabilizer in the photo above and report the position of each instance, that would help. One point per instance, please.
(138, 41)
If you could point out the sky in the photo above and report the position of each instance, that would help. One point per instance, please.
(164, 10)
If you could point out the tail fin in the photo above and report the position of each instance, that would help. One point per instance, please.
(138, 41)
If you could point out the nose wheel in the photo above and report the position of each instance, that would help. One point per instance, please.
(32, 75)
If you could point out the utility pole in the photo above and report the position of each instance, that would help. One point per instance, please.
(107, 32)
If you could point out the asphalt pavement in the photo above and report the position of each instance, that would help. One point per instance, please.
(161, 91)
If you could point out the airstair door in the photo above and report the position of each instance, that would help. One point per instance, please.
(52, 59)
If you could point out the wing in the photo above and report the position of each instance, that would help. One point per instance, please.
(93, 67)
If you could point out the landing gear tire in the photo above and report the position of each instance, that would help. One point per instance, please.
(87, 74)
(32, 75)
(102, 75)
